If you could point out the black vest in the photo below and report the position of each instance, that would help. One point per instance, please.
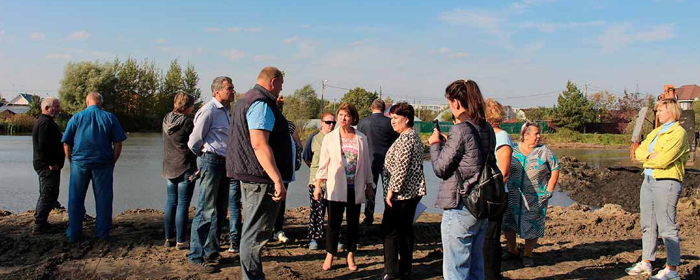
(241, 162)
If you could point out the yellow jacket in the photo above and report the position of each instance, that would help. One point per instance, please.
(672, 151)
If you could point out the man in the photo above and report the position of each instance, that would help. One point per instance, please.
(48, 161)
(262, 151)
(312, 154)
(208, 141)
(380, 135)
(93, 144)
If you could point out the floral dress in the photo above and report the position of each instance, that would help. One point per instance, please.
(350, 150)
(529, 175)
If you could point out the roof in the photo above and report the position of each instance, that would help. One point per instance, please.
(22, 99)
(688, 92)
(15, 109)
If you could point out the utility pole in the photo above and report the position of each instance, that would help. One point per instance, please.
(380, 92)
(586, 89)
(323, 90)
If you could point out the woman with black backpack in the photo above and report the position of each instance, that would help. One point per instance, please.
(459, 160)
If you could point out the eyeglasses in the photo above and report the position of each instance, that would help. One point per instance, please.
(329, 122)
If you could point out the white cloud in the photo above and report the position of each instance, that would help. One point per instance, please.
(550, 27)
(261, 57)
(37, 36)
(212, 29)
(360, 43)
(291, 39)
(160, 41)
(59, 56)
(253, 30)
(199, 50)
(81, 52)
(80, 35)
(488, 22)
(233, 54)
(524, 5)
(621, 35)
(459, 55)
(241, 29)
(235, 29)
(442, 50)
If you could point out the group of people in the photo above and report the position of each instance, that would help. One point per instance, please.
(245, 157)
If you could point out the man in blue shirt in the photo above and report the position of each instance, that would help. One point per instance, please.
(93, 143)
(209, 140)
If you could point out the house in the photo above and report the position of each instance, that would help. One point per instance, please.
(22, 99)
(11, 110)
(687, 94)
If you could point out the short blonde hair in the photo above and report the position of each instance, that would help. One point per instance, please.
(672, 106)
(494, 112)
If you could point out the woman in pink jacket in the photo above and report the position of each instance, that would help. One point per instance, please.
(345, 167)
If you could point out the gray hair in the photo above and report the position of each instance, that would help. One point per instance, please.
(525, 128)
(48, 102)
(216, 84)
(96, 96)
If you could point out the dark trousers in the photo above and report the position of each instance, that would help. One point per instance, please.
(397, 229)
(279, 222)
(49, 182)
(335, 219)
(369, 204)
(492, 249)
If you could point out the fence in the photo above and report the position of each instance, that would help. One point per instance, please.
(511, 128)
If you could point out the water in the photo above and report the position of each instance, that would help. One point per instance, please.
(138, 184)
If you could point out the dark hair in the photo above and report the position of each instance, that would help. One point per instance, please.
(469, 96)
(403, 109)
(182, 101)
(350, 109)
(379, 105)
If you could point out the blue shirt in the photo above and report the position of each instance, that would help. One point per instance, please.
(260, 116)
(211, 126)
(91, 133)
(666, 126)
(502, 139)
(308, 154)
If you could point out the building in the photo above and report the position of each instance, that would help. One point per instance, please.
(22, 99)
(18, 105)
(432, 107)
(687, 94)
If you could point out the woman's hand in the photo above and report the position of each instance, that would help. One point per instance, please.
(389, 196)
(436, 137)
(652, 156)
(317, 193)
(194, 176)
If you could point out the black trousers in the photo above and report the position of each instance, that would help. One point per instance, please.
(335, 219)
(377, 168)
(279, 221)
(492, 249)
(49, 182)
(397, 229)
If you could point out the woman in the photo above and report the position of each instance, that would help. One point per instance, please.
(345, 168)
(404, 186)
(179, 166)
(460, 156)
(663, 153)
(504, 152)
(534, 172)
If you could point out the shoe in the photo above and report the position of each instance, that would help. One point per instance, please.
(182, 245)
(528, 262)
(507, 256)
(169, 243)
(213, 258)
(279, 236)
(203, 267)
(388, 277)
(640, 268)
(313, 245)
(666, 274)
(234, 248)
(44, 228)
(367, 222)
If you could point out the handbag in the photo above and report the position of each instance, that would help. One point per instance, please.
(487, 197)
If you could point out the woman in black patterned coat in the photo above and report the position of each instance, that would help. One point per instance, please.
(404, 186)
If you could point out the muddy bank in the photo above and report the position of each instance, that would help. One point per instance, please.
(578, 244)
(597, 187)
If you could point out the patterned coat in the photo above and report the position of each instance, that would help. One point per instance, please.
(403, 167)
(529, 175)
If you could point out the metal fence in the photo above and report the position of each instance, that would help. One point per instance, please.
(511, 128)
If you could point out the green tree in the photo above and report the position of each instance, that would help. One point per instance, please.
(426, 115)
(189, 85)
(146, 101)
(603, 103)
(35, 106)
(80, 78)
(539, 113)
(303, 105)
(388, 100)
(573, 109)
(126, 87)
(361, 99)
(173, 82)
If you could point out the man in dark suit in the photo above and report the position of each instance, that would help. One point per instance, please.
(378, 129)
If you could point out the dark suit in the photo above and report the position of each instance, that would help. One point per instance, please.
(380, 136)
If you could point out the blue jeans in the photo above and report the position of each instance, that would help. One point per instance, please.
(179, 192)
(261, 212)
(234, 211)
(211, 207)
(102, 180)
(462, 244)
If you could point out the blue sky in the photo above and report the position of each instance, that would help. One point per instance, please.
(519, 52)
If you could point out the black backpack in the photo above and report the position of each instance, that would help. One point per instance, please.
(487, 197)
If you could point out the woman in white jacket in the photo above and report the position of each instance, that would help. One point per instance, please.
(345, 167)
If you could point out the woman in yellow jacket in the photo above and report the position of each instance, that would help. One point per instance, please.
(663, 153)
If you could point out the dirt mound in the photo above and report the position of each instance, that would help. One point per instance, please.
(615, 185)
(4, 213)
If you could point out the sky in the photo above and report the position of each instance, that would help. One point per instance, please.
(519, 52)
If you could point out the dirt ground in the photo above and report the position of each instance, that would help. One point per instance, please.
(579, 243)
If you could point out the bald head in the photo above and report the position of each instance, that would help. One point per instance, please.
(93, 98)
(271, 79)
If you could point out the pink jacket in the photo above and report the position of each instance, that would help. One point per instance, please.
(332, 168)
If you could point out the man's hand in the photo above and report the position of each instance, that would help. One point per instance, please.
(436, 137)
(53, 167)
(389, 196)
(280, 192)
(194, 176)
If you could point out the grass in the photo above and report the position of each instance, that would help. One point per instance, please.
(564, 137)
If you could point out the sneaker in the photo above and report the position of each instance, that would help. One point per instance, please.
(203, 267)
(234, 248)
(640, 268)
(182, 245)
(169, 243)
(279, 236)
(313, 245)
(528, 262)
(666, 274)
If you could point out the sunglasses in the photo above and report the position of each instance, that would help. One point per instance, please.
(329, 122)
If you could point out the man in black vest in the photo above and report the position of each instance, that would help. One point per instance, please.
(48, 161)
(380, 135)
(260, 156)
